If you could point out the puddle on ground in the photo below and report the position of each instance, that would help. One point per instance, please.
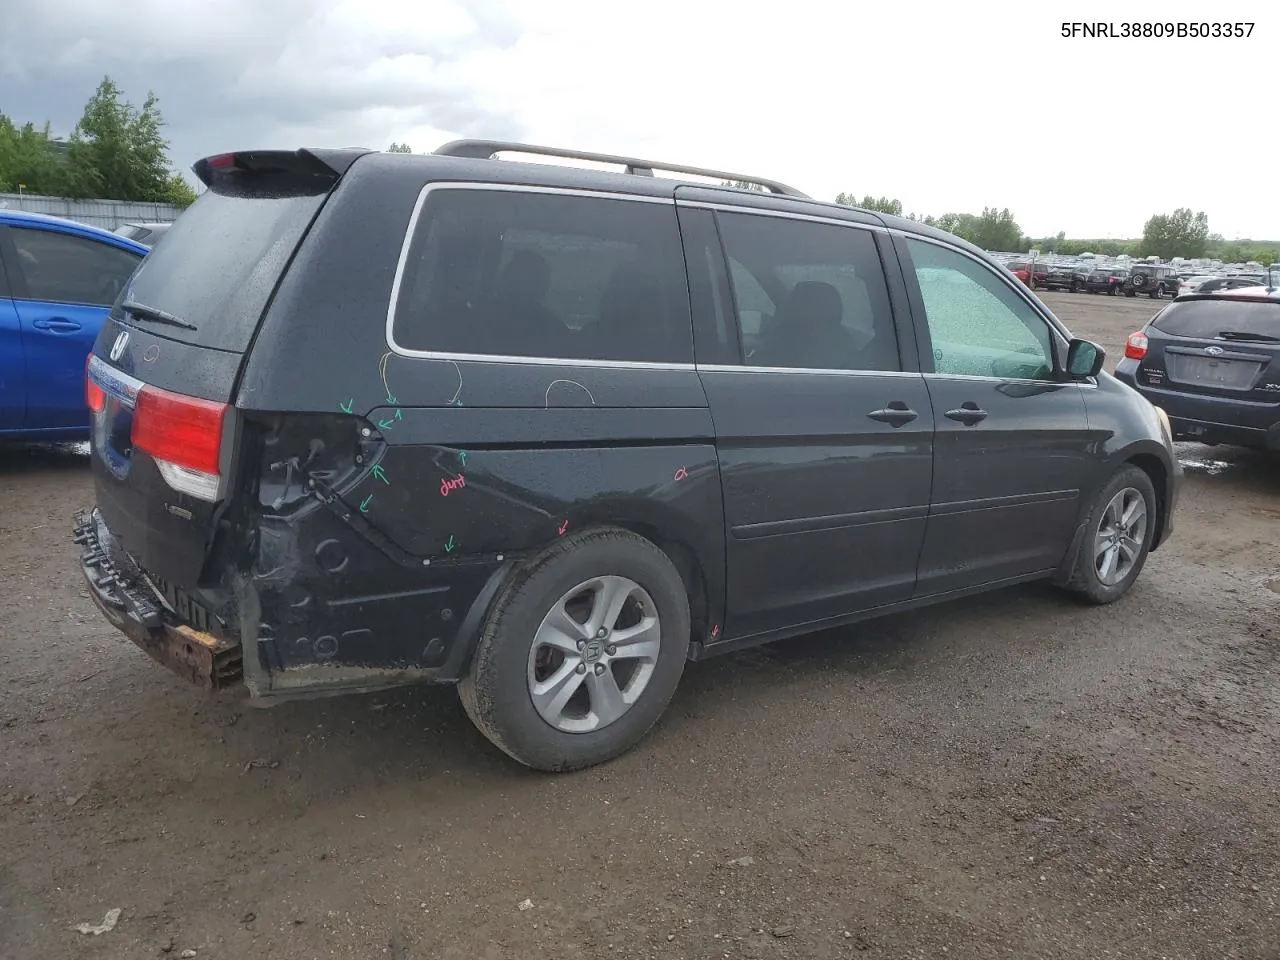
(1200, 465)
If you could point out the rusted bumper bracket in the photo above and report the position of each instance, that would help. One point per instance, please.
(130, 605)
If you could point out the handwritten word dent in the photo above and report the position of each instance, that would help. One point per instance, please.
(447, 484)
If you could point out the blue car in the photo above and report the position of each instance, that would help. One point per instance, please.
(58, 280)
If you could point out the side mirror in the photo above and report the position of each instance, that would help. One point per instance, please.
(1084, 359)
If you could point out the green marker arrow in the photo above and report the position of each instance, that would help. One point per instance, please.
(448, 547)
(346, 407)
(386, 424)
(462, 455)
(381, 474)
(364, 504)
(399, 415)
(391, 400)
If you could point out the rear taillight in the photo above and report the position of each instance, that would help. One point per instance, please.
(184, 437)
(94, 396)
(1135, 348)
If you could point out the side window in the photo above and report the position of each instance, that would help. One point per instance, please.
(753, 303)
(62, 268)
(978, 325)
(809, 295)
(525, 274)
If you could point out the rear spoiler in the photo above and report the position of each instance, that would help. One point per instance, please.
(296, 171)
(1264, 295)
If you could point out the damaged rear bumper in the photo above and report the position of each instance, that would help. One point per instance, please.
(129, 602)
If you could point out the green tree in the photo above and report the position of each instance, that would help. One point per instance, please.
(399, 148)
(878, 204)
(1053, 244)
(116, 152)
(743, 185)
(179, 192)
(1178, 234)
(991, 230)
(31, 161)
(119, 149)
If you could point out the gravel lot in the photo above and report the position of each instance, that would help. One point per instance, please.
(1013, 775)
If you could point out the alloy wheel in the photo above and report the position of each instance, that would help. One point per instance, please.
(1122, 531)
(593, 654)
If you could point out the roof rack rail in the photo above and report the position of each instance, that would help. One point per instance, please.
(485, 150)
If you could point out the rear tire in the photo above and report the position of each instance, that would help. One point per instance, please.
(507, 670)
(1126, 542)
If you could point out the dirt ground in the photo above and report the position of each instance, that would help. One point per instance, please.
(1013, 775)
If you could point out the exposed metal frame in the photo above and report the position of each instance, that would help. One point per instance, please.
(486, 150)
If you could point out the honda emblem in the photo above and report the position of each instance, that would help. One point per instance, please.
(117, 348)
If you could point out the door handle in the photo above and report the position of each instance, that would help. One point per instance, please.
(56, 325)
(896, 413)
(967, 413)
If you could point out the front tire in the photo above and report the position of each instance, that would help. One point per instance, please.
(582, 652)
(1118, 535)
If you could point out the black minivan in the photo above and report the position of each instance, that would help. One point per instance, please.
(548, 433)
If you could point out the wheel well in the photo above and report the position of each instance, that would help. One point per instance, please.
(686, 561)
(1153, 468)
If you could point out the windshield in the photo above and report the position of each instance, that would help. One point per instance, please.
(1208, 319)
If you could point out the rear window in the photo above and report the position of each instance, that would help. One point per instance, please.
(1206, 319)
(528, 274)
(219, 264)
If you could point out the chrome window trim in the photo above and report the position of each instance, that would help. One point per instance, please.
(403, 260)
(821, 371)
(1041, 383)
(783, 214)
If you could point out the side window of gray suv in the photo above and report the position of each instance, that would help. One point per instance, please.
(518, 273)
(809, 295)
(979, 327)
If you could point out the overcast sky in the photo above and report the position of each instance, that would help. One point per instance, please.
(948, 109)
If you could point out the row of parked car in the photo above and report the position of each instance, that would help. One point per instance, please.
(1155, 280)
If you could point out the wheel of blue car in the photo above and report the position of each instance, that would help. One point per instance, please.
(1118, 534)
(582, 652)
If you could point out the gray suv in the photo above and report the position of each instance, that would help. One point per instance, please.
(549, 434)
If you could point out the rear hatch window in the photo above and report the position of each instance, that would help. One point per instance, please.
(1221, 319)
(209, 282)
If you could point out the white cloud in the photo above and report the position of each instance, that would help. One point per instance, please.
(948, 108)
